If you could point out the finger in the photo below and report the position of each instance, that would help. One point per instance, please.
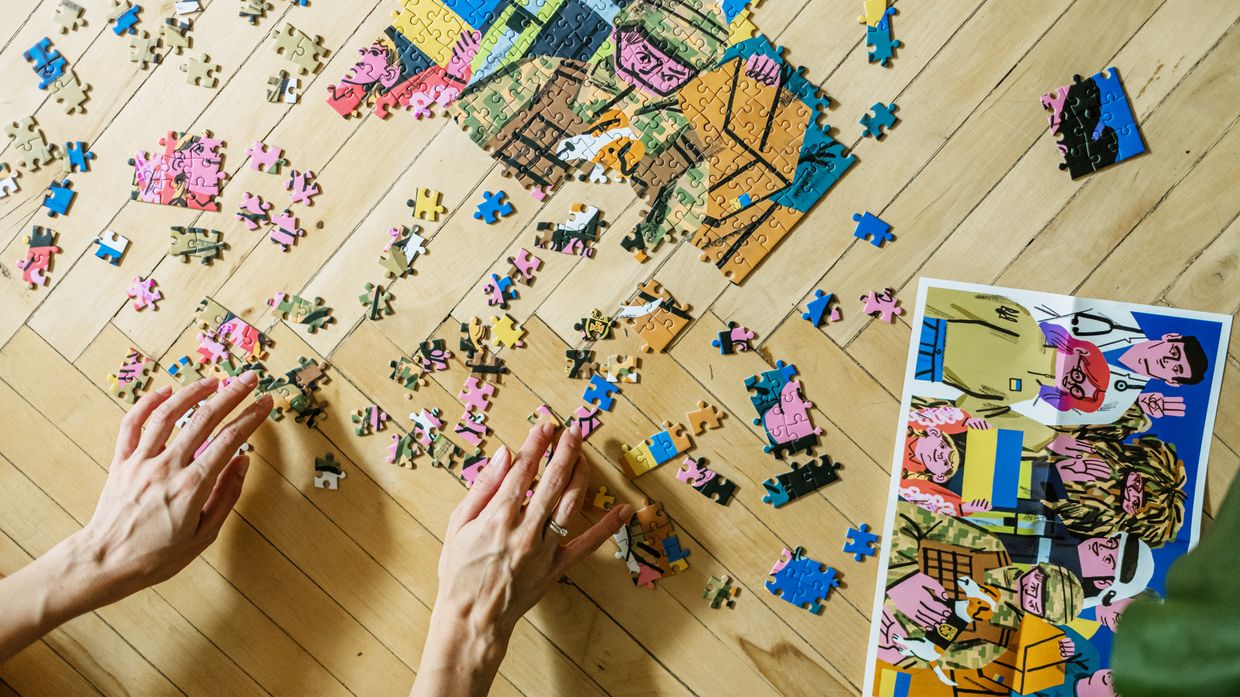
(524, 467)
(574, 495)
(582, 545)
(131, 426)
(205, 469)
(209, 415)
(483, 490)
(157, 429)
(555, 478)
(223, 497)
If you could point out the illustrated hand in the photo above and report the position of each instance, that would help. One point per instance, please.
(1082, 469)
(1158, 405)
(463, 54)
(1067, 649)
(500, 557)
(975, 506)
(888, 632)
(977, 423)
(922, 599)
(1067, 445)
(764, 69)
(162, 505)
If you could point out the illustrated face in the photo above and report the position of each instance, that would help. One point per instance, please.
(1098, 557)
(642, 64)
(1134, 493)
(1163, 359)
(1070, 373)
(1108, 615)
(933, 451)
(372, 66)
(1097, 684)
(1031, 584)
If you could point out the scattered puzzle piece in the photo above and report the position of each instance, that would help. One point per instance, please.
(131, 378)
(284, 230)
(602, 501)
(505, 332)
(69, 16)
(200, 71)
(599, 392)
(878, 38)
(78, 156)
(882, 304)
(69, 92)
(175, 34)
(873, 228)
(327, 472)
(46, 61)
(142, 49)
(704, 417)
(425, 204)
(883, 119)
(621, 369)
(860, 542)
(301, 187)
(377, 301)
(819, 306)
(41, 245)
(282, 88)
(110, 247)
(265, 158)
(576, 235)
(197, 242)
(596, 327)
(369, 419)
(307, 53)
(720, 591)
(493, 207)
(8, 180)
(59, 197)
(523, 266)
(254, 211)
(734, 338)
(124, 17)
(312, 314)
(144, 295)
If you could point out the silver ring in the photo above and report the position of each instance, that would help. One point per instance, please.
(557, 528)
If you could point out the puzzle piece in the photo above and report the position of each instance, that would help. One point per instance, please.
(505, 332)
(401, 250)
(734, 338)
(493, 207)
(68, 16)
(579, 363)
(142, 49)
(307, 53)
(369, 419)
(47, 62)
(184, 371)
(200, 71)
(175, 34)
(1095, 123)
(706, 481)
(282, 88)
(59, 197)
(265, 158)
(254, 211)
(110, 247)
(78, 156)
(801, 480)
(884, 117)
(377, 301)
(602, 501)
(327, 472)
(720, 591)
(499, 290)
(599, 392)
(8, 180)
(882, 304)
(69, 92)
(143, 293)
(871, 227)
(284, 230)
(873, 11)
(878, 38)
(124, 17)
(586, 419)
(523, 266)
(819, 306)
(41, 245)
(596, 327)
(704, 417)
(253, 10)
(301, 187)
(576, 235)
(312, 314)
(425, 204)
(621, 369)
(860, 542)
(31, 145)
(476, 395)
(402, 450)
(802, 581)
(433, 355)
(131, 378)
(197, 242)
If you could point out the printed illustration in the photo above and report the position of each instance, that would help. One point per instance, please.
(1049, 468)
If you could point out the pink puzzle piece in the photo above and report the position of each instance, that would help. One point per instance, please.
(425, 423)
(263, 157)
(525, 264)
(301, 187)
(476, 394)
(253, 211)
(789, 420)
(470, 472)
(587, 420)
(143, 293)
(471, 428)
(210, 348)
(284, 231)
(882, 304)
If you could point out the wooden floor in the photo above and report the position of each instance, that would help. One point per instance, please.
(317, 592)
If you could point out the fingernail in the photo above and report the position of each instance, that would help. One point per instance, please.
(163, 391)
(500, 458)
(624, 510)
(575, 430)
(249, 378)
(548, 429)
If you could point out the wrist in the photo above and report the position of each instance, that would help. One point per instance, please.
(462, 653)
(72, 579)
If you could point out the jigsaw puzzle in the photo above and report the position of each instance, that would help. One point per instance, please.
(110, 247)
(802, 581)
(327, 472)
(131, 378)
(305, 52)
(403, 450)
(301, 187)
(59, 197)
(505, 332)
(68, 16)
(243, 341)
(1094, 121)
(800, 480)
(187, 174)
(284, 230)
(124, 17)
(656, 315)
(599, 393)
(883, 118)
(621, 91)
(878, 38)
(872, 228)
(46, 61)
(576, 235)
(823, 305)
(705, 480)
(602, 500)
(200, 71)
(499, 290)
(882, 304)
(70, 92)
(493, 207)
(265, 158)
(649, 547)
(704, 417)
(377, 300)
(254, 211)
(860, 542)
(78, 156)
(402, 249)
(425, 204)
(783, 412)
(596, 327)
(40, 246)
(720, 592)
(196, 242)
(31, 145)
(579, 363)
(734, 338)
(312, 314)
(144, 295)
(369, 419)
(282, 88)
(655, 450)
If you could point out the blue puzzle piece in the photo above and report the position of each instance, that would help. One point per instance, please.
(49, 65)
(818, 307)
(493, 207)
(79, 156)
(1117, 113)
(125, 22)
(599, 392)
(662, 447)
(672, 550)
(873, 228)
(860, 542)
(879, 38)
(776, 494)
(884, 117)
(59, 198)
(804, 582)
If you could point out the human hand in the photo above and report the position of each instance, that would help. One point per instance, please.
(164, 503)
(1158, 405)
(500, 557)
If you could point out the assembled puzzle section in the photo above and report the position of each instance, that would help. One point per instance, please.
(656, 316)
(649, 546)
(800, 480)
(187, 174)
(799, 580)
(40, 246)
(705, 480)
(1094, 121)
(783, 412)
(30, 144)
(659, 448)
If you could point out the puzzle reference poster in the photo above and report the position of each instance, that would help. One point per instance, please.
(1049, 467)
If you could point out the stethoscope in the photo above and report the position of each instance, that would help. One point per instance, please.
(1101, 320)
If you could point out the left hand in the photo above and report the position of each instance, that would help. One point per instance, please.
(1158, 405)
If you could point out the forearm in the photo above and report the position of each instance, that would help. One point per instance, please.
(461, 656)
(46, 593)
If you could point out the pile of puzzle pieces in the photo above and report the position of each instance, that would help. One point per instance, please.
(802, 581)
(186, 174)
(649, 546)
(783, 412)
